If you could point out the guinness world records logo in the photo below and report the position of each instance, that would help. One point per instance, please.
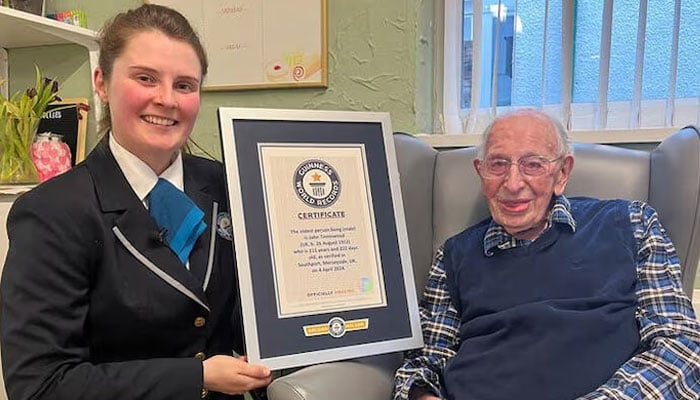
(316, 183)
(336, 327)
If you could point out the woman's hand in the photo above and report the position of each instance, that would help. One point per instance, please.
(232, 375)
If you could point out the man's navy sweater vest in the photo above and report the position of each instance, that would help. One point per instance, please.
(550, 320)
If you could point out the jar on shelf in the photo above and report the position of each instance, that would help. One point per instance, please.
(51, 155)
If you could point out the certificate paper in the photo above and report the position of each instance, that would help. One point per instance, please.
(321, 224)
(322, 259)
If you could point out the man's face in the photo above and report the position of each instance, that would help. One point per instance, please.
(518, 202)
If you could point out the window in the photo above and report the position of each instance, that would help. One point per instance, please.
(599, 65)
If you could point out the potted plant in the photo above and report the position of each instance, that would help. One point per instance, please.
(19, 118)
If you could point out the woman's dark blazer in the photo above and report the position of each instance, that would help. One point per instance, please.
(95, 307)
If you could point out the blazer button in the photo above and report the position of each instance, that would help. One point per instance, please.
(199, 322)
(200, 356)
(205, 392)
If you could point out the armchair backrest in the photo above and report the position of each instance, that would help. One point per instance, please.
(442, 196)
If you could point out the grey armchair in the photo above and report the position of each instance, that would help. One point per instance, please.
(441, 197)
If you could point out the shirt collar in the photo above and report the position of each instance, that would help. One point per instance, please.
(140, 176)
(496, 236)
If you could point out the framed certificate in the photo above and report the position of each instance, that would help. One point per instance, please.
(322, 251)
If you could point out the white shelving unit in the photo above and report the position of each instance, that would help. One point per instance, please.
(22, 29)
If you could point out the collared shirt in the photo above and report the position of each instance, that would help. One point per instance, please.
(496, 237)
(140, 176)
(669, 366)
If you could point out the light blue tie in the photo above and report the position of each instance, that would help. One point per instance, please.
(177, 216)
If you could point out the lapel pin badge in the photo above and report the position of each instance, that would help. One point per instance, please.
(223, 226)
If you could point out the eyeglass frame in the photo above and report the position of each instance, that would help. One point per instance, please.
(519, 162)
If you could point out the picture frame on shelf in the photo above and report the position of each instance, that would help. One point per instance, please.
(37, 7)
(67, 118)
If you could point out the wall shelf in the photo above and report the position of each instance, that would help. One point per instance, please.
(22, 29)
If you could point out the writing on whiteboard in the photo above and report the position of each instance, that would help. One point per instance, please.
(234, 9)
(268, 41)
(235, 46)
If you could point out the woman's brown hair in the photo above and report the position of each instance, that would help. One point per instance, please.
(117, 32)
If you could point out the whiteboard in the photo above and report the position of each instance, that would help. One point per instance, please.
(260, 44)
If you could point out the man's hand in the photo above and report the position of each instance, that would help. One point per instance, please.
(232, 375)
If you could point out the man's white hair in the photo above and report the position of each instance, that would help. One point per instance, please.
(562, 138)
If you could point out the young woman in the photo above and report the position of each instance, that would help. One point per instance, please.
(96, 302)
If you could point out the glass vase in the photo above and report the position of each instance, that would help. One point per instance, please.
(16, 138)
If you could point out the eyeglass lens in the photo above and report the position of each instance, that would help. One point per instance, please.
(530, 166)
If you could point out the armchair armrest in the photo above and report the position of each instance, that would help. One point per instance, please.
(346, 380)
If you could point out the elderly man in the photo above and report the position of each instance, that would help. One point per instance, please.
(552, 298)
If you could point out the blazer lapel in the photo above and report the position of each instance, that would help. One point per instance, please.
(201, 257)
(134, 227)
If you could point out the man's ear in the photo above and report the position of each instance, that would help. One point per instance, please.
(100, 84)
(476, 163)
(562, 175)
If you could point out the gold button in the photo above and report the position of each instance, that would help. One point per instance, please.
(205, 392)
(200, 356)
(199, 322)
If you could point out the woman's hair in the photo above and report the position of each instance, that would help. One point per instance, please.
(116, 33)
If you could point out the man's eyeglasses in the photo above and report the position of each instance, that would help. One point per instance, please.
(528, 166)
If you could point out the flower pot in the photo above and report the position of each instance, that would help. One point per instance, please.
(16, 138)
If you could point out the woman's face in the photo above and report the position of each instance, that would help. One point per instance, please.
(153, 96)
